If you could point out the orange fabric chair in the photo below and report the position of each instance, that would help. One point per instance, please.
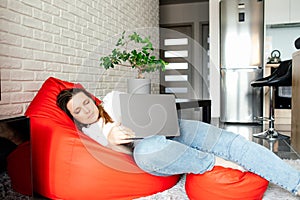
(225, 184)
(66, 164)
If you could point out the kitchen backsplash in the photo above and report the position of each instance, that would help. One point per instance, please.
(282, 39)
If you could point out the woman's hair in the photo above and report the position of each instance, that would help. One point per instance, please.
(66, 95)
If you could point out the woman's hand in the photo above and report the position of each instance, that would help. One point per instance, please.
(120, 135)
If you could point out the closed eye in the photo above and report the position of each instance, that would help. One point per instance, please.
(77, 111)
(87, 101)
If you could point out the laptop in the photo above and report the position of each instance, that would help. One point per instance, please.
(149, 114)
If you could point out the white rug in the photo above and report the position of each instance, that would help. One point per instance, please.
(178, 192)
(175, 193)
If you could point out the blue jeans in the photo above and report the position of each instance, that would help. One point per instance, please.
(195, 149)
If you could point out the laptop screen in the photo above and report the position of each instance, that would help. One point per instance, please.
(149, 114)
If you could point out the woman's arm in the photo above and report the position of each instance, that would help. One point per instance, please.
(117, 135)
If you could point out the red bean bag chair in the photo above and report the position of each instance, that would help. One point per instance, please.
(66, 164)
(225, 184)
(19, 169)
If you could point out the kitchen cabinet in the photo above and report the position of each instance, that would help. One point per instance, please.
(282, 11)
(295, 14)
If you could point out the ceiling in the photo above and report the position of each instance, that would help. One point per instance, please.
(165, 2)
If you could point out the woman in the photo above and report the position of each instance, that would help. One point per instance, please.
(94, 121)
(201, 145)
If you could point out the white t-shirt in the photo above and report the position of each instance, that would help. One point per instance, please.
(99, 131)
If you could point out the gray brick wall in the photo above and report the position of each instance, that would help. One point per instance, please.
(65, 39)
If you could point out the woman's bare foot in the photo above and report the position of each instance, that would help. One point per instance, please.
(228, 164)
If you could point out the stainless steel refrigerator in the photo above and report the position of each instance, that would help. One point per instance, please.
(241, 59)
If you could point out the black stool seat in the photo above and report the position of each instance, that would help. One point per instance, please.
(282, 76)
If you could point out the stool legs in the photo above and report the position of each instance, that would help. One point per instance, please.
(271, 134)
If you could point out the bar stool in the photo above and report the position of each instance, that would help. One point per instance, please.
(282, 76)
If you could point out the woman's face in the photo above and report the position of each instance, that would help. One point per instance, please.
(83, 108)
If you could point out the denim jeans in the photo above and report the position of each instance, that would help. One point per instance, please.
(195, 149)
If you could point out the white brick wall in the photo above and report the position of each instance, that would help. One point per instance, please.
(65, 39)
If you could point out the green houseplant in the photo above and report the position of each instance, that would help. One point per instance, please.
(140, 59)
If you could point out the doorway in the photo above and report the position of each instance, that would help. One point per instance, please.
(176, 49)
(184, 44)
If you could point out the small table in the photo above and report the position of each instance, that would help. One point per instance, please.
(196, 103)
